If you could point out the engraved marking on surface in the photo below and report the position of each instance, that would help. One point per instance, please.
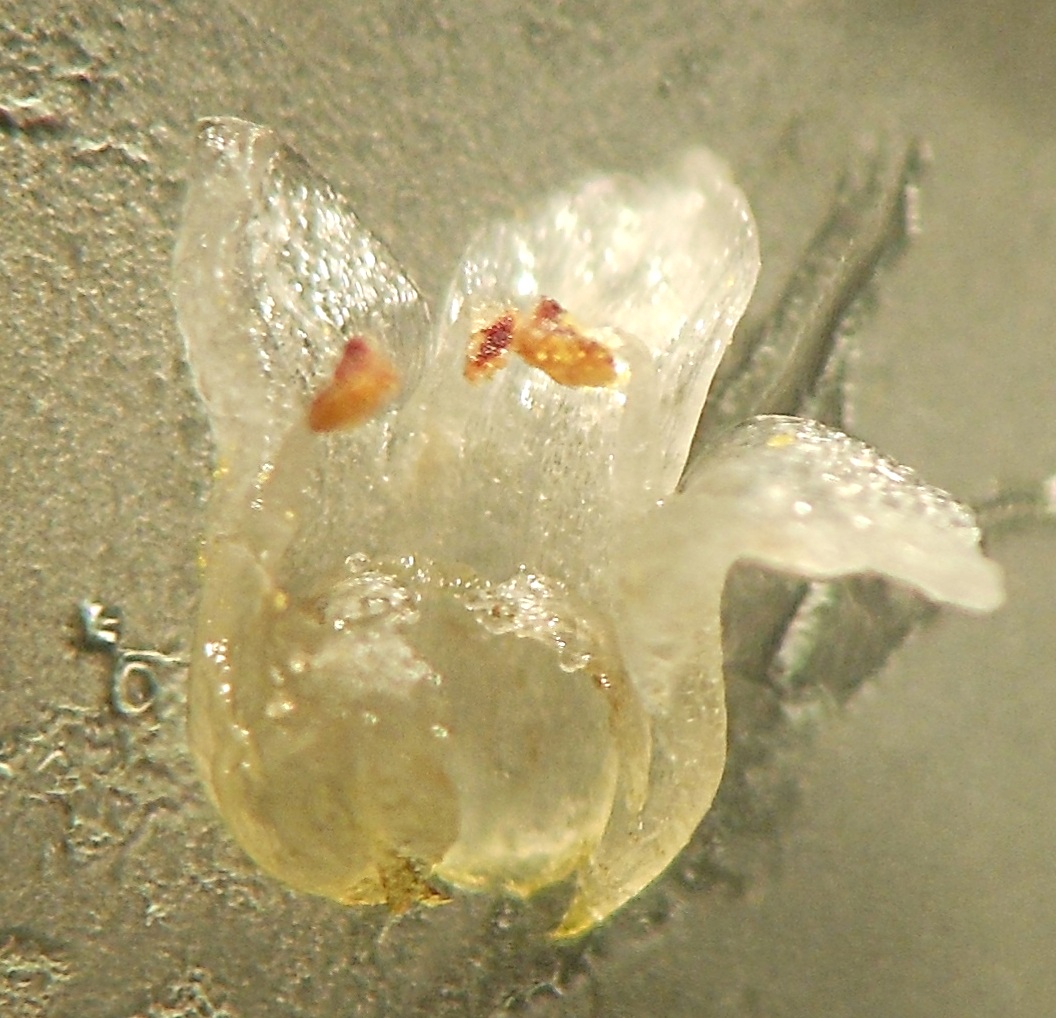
(30, 977)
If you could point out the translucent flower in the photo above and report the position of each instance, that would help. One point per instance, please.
(474, 640)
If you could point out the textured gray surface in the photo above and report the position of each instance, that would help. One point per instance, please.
(915, 876)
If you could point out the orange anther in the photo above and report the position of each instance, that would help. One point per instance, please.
(547, 339)
(363, 383)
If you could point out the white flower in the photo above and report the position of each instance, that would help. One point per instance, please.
(475, 639)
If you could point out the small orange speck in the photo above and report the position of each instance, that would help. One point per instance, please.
(363, 383)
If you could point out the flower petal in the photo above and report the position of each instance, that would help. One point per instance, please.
(787, 493)
(273, 274)
(810, 500)
(670, 260)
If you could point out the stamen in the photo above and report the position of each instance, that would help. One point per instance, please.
(548, 339)
(363, 383)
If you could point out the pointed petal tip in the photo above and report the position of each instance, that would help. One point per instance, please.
(984, 589)
(579, 919)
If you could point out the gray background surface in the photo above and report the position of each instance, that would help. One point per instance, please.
(915, 877)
